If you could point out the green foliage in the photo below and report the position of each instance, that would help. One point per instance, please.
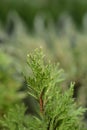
(28, 9)
(68, 47)
(15, 119)
(57, 109)
(42, 76)
(9, 83)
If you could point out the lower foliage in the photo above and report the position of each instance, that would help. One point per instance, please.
(57, 109)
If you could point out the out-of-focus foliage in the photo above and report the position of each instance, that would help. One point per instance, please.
(29, 9)
(15, 119)
(10, 82)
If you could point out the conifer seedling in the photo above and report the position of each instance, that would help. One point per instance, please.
(57, 108)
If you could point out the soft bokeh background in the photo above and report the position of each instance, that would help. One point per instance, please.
(60, 27)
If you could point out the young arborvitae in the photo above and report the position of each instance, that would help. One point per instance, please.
(58, 111)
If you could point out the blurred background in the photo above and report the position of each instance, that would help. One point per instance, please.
(60, 27)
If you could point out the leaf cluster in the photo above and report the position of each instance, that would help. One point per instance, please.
(57, 108)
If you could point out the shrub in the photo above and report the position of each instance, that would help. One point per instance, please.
(57, 109)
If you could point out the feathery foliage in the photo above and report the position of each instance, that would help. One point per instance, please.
(57, 109)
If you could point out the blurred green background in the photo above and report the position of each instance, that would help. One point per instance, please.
(60, 27)
(28, 9)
